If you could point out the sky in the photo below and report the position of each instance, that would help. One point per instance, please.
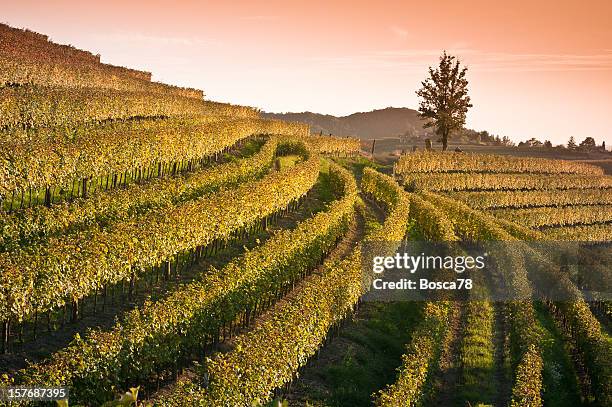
(536, 68)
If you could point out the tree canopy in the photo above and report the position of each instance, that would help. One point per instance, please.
(445, 99)
(588, 144)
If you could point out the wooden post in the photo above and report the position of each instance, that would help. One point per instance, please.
(75, 311)
(167, 270)
(6, 334)
(48, 197)
(35, 330)
(131, 288)
(12, 200)
(95, 304)
(177, 266)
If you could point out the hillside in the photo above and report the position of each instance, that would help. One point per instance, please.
(388, 122)
(192, 252)
(28, 57)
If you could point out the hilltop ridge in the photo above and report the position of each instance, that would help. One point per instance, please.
(379, 123)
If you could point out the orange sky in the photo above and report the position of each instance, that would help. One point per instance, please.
(537, 68)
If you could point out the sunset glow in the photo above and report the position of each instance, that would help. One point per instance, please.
(536, 69)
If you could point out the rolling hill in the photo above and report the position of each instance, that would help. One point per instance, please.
(381, 123)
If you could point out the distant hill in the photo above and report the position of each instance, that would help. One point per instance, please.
(389, 122)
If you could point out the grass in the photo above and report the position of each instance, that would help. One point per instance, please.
(287, 161)
(477, 354)
(357, 164)
(559, 377)
(364, 358)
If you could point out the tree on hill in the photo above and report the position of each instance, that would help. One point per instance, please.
(571, 143)
(532, 142)
(548, 144)
(445, 99)
(588, 144)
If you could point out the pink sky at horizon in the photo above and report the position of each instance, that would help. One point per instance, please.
(537, 69)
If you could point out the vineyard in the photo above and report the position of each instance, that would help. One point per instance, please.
(157, 248)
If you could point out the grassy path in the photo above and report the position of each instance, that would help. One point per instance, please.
(446, 379)
(561, 386)
(360, 360)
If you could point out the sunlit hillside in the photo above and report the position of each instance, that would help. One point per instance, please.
(160, 248)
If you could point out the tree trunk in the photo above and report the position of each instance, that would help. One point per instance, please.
(445, 141)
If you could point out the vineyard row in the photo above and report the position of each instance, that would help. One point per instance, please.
(436, 162)
(44, 277)
(150, 339)
(39, 222)
(596, 233)
(530, 199)
(56, 158)
(447, 182)
(524, 263)
(271, 354)
(565, 216)
(29, 106)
